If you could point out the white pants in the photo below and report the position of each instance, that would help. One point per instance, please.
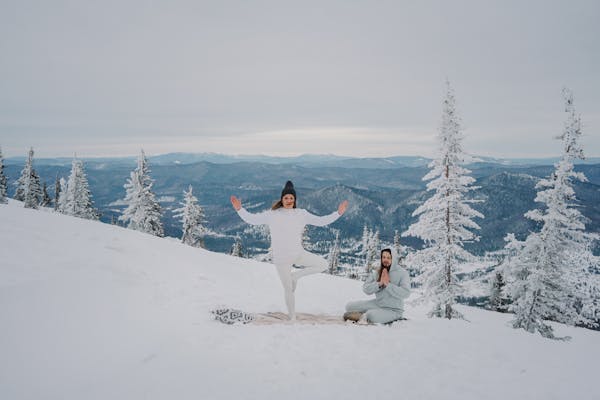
(312, 264)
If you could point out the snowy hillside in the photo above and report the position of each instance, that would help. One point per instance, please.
(94, 311)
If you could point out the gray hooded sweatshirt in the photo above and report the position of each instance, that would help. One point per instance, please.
(393, 295)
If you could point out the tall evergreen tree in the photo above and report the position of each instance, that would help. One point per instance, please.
(510, 265)
(46, 200)
(364, 250)
(237, 248)
(498, 300)
(397, 246)
(373, 249)
(550, 274)
(370, 248)
(61, 203)
(334, 254)
(29, 190)
(78, 197)
(192, 217)
(57, 190)
(305, 238)
(445, 219)
(143, 213)
(3, 182)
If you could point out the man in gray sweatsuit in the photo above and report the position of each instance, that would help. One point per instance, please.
(391, 285)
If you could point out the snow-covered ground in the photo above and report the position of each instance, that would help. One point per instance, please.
(94, 311)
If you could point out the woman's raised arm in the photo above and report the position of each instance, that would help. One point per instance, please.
(252, 219)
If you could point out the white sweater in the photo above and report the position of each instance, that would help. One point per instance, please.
(286, 226)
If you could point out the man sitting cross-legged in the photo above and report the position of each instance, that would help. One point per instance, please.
(391, 285)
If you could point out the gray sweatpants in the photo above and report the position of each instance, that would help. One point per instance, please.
(374, 313)
(312, 264)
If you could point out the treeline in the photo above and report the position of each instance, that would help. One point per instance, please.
(73, 197)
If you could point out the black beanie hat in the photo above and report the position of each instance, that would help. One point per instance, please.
(288, 189)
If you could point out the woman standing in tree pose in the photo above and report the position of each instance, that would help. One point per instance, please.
(286, 223)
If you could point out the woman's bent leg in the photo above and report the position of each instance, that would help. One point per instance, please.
(312, 263)
(285, 274)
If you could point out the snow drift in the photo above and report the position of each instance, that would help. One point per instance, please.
(94, 311)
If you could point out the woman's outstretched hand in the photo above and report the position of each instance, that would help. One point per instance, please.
(236, 203)
(342, 207)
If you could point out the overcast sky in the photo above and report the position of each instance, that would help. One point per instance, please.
(360, 78)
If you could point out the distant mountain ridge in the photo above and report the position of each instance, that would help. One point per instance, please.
(307, 160)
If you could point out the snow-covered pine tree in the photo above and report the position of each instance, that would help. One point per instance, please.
(370, 248)
(551, 273)
(590, 310)
(61, 203)
(364, 249)
(57, 190)
(334, 254)
(143, 213)
(67, 203)
(397, 246)
(305, 238)
(373, 250)
(498, 300)
(29, 190)
(365, 237)
(510, 265)
(3, 182)
(237, 248)
(192, 217)
(445, 219)
(78, 197)
(46, 200)
(361, 261)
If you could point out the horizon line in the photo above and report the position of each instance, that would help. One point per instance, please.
(533, 157)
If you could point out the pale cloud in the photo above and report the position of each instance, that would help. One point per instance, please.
(353, 78)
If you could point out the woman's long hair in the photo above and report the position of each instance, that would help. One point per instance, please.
(382, 267)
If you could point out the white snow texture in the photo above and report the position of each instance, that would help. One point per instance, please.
(94, 311)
